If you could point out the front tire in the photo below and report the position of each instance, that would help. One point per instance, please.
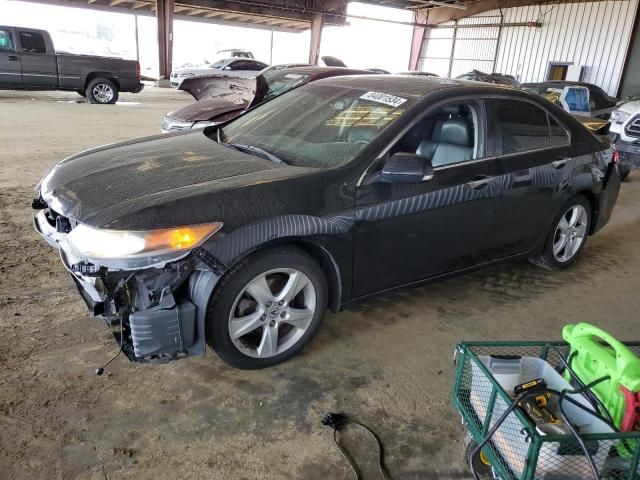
(267, 308)
(102, 91)
(568, 236)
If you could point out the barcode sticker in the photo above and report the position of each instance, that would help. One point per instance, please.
(385, 98)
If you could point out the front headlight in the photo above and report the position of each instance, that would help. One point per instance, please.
(171, 124)
(619, 116)
(186, 74)
(96, 243)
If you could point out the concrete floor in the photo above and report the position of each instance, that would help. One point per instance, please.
(387, 363)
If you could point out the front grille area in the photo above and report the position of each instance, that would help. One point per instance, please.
(633, 127)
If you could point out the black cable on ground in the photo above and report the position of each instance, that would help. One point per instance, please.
(336, 421)
(561, 397)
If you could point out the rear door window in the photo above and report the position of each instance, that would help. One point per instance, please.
(524, 127)
(32, 42)
(558, 135)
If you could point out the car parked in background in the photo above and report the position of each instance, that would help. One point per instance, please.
(237, 67)
(241, 235)
(222, 98)
(28, 61)
(625, 133)
(575, 97)
(236, 52)
(497, 78)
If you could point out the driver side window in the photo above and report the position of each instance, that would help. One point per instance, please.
(6, 41)
(447, 136)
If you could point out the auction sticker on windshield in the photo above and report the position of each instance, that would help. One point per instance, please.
(385, 98)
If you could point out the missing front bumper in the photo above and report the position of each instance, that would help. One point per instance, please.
(158, 313)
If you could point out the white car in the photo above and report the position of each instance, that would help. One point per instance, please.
(625, 132)
(238, 67)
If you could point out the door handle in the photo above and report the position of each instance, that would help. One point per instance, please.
(479, 182)
(559, 163)
(13, 58)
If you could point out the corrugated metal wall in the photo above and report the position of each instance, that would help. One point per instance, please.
(631, 80)
(593, 35)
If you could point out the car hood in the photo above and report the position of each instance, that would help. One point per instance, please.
(159, 182)
(207, 109)
(220, 86)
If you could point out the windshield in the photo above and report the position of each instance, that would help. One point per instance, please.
(218, 64)
(282, 83)
(320, 126)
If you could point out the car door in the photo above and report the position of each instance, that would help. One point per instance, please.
(535, 164)
(409, 232)
(10, 71)
(39, 67)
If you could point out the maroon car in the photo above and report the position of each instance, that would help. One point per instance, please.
(221, 98)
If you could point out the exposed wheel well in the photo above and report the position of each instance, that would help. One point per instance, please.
(593, 202)
(320, 255)
(107, 75)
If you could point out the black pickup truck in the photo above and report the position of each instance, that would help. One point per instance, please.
(28, 61)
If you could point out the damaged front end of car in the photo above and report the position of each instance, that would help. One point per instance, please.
(151, 288)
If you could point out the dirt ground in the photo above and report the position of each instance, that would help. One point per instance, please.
(387, 363)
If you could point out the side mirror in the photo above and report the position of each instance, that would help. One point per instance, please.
(407, 168)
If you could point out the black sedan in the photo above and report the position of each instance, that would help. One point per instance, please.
(240, 235)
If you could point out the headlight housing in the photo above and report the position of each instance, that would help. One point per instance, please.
(619, 116)
(99, 244)
(186, 74)
(171, 124)
(203, 124)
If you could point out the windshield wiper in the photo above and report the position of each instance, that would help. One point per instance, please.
(254, 150)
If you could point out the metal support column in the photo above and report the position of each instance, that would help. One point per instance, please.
(317, 22)
(418, 39)
(164, 16)
(453, 47)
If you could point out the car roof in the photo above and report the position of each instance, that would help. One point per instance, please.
(240, 59)
(318, 71)
(417, 85)
(552, 83)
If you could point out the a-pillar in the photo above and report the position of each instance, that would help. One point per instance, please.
(164, 16)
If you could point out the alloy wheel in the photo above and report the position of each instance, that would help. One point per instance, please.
(272, 312)
(570, 233)
(103, 93)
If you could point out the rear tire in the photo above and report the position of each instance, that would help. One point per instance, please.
(102, 91)
(567, 237)
(267, 308)
(624, 172)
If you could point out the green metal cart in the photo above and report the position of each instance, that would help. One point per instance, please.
(516, 450)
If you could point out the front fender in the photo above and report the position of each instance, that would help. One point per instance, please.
(332, 234)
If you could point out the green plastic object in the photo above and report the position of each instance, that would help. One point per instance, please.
(595, 354)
